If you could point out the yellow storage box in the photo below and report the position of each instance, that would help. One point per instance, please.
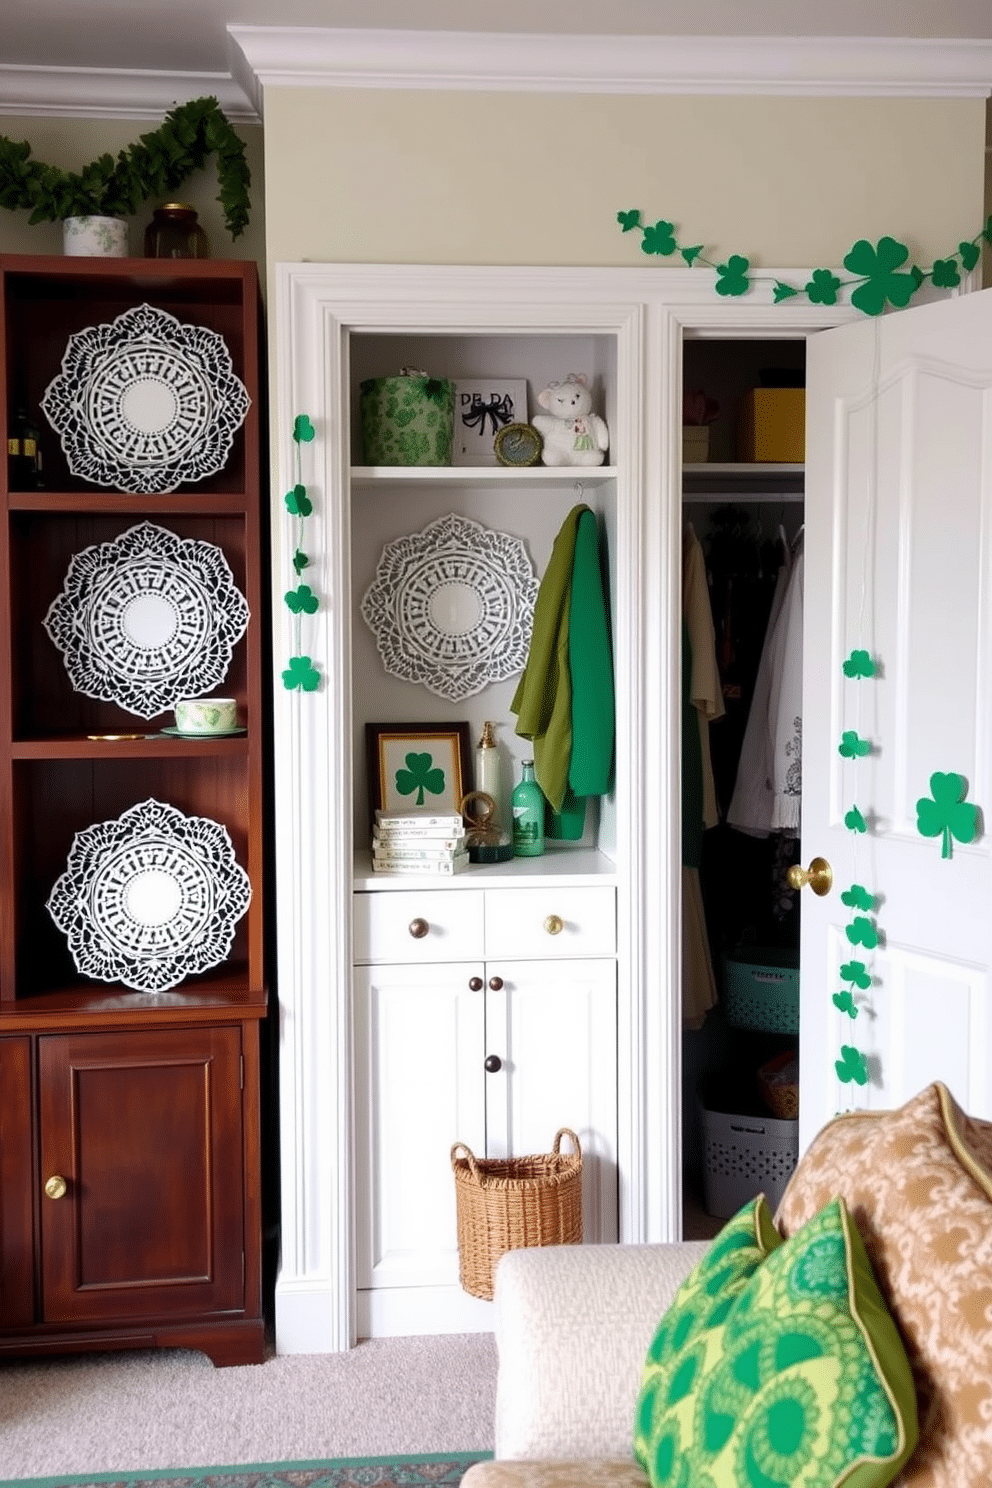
(773, 425)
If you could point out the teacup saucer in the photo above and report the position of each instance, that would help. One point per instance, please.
(176, 733)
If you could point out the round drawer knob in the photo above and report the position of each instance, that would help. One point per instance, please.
(495, 984)
(554, 924)
(475, 984)
(56, 1186)
(493, 1063)
(419, 928)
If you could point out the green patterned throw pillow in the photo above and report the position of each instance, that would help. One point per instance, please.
(778, 1370)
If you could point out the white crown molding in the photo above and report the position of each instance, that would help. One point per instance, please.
(846, 66)
(114, 93)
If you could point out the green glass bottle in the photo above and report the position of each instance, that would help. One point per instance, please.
(528, 815)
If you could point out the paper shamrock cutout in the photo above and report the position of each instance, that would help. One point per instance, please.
(852, 746)
(732, 276)
(421, 774)
(857, 973)
(301, 673)
(859, 664)
(303, 429)
(861, 931)
(845, 1002)
(851, 1066)
(878, 267)
(300, 561)
(302, 599)
(298, 503)
(854, 821)
(947, 815)
(660, 239)
(629, 220)
(858, 897)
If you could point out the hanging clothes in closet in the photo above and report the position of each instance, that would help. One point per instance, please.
(768, 790)
(702, 704)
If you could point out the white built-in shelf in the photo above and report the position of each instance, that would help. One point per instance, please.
(588, 476)
(559, 864)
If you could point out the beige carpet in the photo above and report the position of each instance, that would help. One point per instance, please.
(172, 1408)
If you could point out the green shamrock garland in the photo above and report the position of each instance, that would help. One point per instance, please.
(300, 673)
(881, 276)
(852, 1067)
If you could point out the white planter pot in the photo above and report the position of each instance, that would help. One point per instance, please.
(95, 237)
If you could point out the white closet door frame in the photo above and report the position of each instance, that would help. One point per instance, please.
(647, 311)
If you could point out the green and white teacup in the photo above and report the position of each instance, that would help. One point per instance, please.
(206, 715)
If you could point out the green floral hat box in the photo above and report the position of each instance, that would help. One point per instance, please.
(407, 420)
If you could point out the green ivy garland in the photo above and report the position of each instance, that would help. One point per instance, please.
(880, 276)
(300, 672)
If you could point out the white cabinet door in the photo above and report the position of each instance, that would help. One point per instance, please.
(899, 564)
(419, 1087)
(553, 1026)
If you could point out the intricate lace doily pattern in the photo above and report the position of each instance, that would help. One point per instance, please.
(150, 898)
(147, 619)
(146, 402)
(452, 606)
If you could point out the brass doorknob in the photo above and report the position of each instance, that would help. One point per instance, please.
(56, 1186)
(554, 924)
(819, 875)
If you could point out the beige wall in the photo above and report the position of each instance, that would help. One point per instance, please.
(73, 143)
(501, 178)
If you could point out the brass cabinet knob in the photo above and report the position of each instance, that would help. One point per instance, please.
(819, 875)
(56, 1186)
(418, 928)
(554, 924)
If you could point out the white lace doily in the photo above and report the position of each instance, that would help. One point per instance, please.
(146, 402)
(452, 606)
(150, 898)
(147, 619)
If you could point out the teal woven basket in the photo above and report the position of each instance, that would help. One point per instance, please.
(762, 993)
(407, 420)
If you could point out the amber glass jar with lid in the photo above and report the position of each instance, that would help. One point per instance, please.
(175, 233)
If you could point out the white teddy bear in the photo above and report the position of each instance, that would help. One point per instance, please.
(572, 434)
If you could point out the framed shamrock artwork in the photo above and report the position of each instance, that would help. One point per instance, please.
(418, 766)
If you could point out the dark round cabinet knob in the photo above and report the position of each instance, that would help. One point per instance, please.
(493, 1063)
(495, 984)
(475, 984)
(418, 928)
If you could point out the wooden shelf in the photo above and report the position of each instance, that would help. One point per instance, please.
(178, 503)
(153, 745)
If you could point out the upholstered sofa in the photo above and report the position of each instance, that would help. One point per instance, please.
(574, 1324)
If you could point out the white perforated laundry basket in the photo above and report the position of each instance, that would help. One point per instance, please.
(744, 1156)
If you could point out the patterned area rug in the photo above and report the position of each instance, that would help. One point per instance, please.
(443, 1471)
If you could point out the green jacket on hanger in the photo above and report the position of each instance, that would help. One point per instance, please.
(565, 698)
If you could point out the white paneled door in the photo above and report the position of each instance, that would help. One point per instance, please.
(898, 553)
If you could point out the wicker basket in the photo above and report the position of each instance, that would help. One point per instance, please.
(778, 1081)
(505, 1203)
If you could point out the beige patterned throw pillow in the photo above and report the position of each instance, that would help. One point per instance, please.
(918, 1184)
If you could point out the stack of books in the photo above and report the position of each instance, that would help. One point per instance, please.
(418, 842)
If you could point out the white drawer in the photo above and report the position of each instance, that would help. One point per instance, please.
(422, 925)
(551, 921)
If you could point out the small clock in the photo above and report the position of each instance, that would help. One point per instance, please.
(518, 444)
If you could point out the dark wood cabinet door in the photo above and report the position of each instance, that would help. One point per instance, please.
(145, 1129)
(16, 1222)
